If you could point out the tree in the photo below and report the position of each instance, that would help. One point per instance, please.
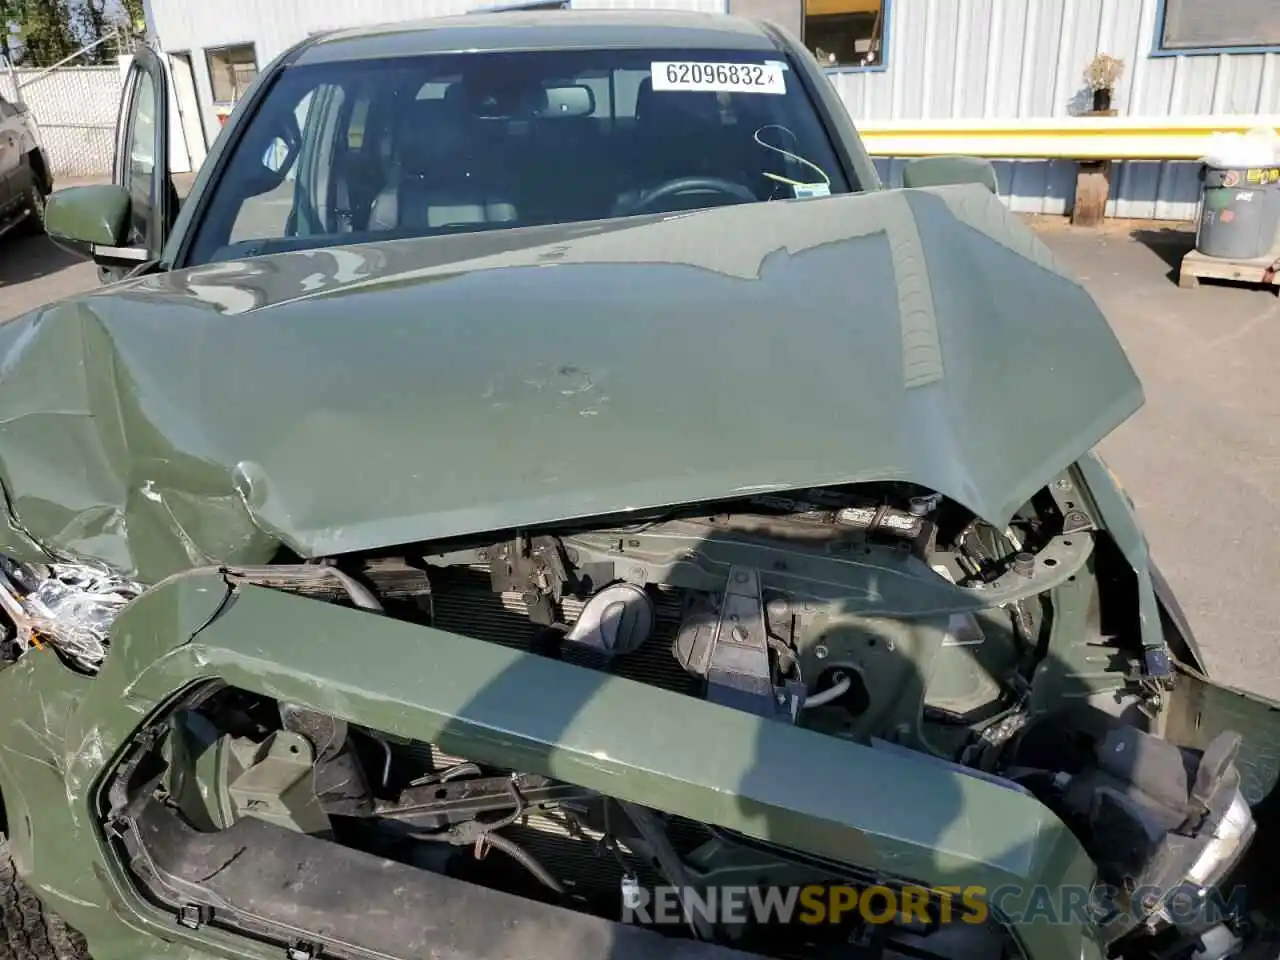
(133, 14)
(90, 25)
(8, 24)
(44, 32)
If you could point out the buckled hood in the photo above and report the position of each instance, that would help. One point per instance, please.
(379, 394)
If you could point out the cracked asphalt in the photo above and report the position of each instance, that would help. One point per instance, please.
(1201, 459)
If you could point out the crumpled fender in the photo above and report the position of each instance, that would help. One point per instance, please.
(62, 731)
(1161, 620)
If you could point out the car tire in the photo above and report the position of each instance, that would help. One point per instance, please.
(35, 202)
(27, 930)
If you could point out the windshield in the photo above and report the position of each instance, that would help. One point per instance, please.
(377, 149)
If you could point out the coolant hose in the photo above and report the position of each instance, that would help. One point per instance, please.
(525, 859)
(833, 692)
(360, 595)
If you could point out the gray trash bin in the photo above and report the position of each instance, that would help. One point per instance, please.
(1239, 212)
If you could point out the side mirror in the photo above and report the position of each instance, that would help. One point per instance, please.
(948, 171)
(86, 217)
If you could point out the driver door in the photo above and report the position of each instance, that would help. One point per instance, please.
(141, 166)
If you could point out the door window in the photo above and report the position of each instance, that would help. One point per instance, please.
(140, 168)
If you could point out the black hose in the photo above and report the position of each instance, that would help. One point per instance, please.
(486, 835)
(525, 859)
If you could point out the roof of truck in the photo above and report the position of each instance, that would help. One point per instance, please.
(541, 30)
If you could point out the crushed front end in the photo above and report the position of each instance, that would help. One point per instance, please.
(822, 704)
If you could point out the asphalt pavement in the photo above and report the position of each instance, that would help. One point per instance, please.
(1201, 459)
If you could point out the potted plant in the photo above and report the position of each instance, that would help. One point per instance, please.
(1101, 75)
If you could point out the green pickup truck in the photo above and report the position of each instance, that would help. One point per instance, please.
(541, 497)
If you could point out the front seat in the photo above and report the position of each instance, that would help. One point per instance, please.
(679, 134)
(441, 179)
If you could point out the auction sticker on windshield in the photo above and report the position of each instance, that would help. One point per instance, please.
(684, 75)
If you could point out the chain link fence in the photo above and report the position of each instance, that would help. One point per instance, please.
(75, 108)
(74, 104)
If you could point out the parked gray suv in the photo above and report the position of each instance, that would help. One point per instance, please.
(25, 180)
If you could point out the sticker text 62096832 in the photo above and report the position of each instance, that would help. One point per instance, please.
(729, 77)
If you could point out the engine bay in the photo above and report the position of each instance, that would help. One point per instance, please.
(882, 615)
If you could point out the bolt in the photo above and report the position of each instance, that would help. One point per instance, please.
(1024, 564)
(740, 577)
(1074, 518)
(482, 554)
(820, 652)
(740, 633)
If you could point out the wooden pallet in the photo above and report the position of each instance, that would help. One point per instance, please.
(1261, 270)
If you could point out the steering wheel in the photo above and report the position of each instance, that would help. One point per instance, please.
(717, 185)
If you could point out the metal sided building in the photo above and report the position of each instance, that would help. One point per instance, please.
(889, 59)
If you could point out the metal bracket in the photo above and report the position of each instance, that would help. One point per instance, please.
(538, 569)
(1033, 574)
(1075, 517)
(669, 863)
(738, 673)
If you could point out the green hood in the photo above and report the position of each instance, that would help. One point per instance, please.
(378, 394)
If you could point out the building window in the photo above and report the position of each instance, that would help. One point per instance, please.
(1193, 26)
(231, 70)
(846, 33)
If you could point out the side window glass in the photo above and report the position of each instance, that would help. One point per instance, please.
(140, 166)
(268, 195)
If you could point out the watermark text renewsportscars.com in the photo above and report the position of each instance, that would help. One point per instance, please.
(818, 904)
